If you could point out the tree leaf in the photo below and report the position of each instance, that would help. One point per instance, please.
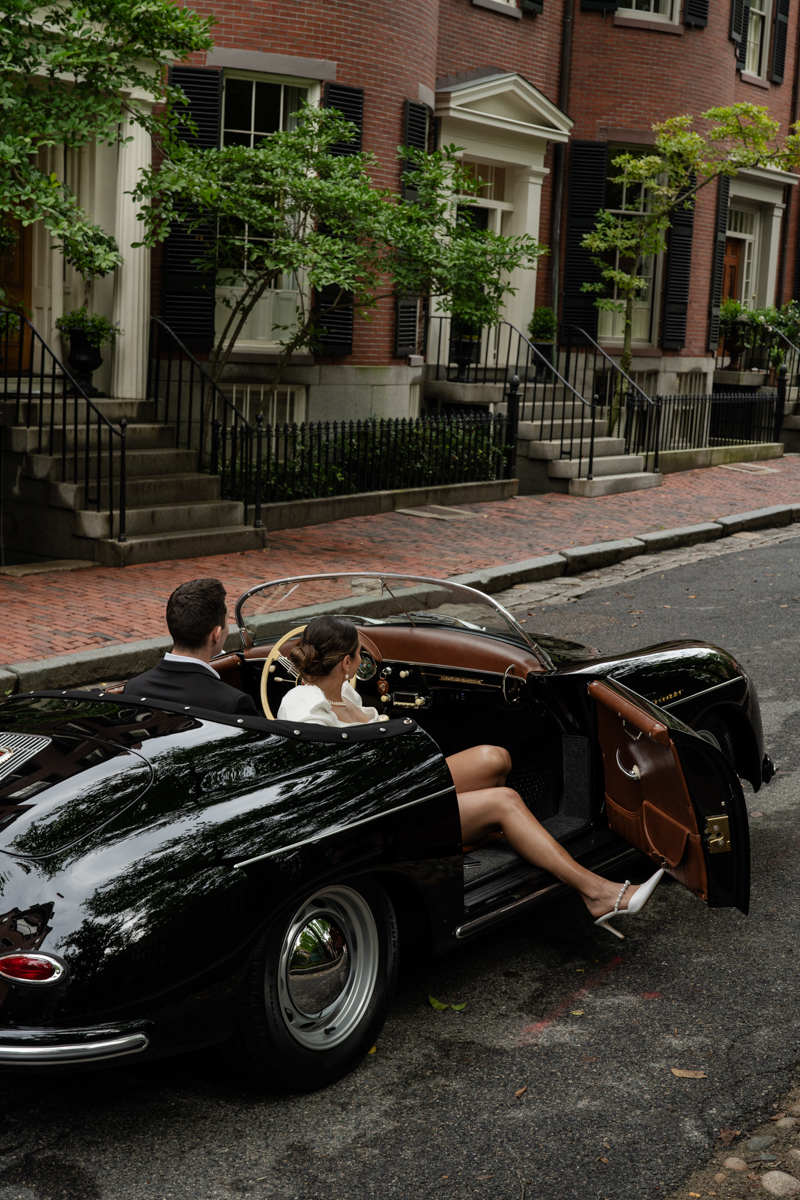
(521, 1091)
(437, 1004)
(459, 1007)
(688, 1074)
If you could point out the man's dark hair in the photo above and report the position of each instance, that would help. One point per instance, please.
(193, 610)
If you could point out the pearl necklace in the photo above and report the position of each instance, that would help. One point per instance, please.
(337, 704)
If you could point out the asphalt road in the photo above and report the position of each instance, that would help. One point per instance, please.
(589, 1026)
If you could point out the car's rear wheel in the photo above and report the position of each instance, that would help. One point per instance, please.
(715, 730)
(318, 988)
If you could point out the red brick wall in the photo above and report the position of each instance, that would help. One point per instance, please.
(621, 78)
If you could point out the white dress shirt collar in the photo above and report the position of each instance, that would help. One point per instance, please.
(185, 658)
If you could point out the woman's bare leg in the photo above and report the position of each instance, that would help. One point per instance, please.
(489, 809)
(479, 768)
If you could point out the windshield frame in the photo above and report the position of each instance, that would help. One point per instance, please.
(459, 588)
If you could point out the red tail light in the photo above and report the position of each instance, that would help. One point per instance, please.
(31, 968)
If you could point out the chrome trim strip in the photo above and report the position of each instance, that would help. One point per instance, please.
(246, 862)
(705, 691)
(132, 1043)
(480, 922)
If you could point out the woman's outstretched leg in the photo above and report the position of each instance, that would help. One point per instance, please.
(489, 809)
(479, 768)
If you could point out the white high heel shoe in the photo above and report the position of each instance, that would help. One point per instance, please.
(643, 894)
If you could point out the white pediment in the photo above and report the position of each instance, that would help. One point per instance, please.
(504, 102)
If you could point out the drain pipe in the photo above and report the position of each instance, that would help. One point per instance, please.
(787, 191)
(559, 154)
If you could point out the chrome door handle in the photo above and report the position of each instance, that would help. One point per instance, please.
(634, 774)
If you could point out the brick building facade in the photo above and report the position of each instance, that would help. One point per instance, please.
(540, 94)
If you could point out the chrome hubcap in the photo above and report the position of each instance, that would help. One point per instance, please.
(328, 967)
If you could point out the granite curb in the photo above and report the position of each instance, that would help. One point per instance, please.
(130, 658)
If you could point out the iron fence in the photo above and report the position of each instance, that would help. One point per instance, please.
(324, 459)
(699, 422)
(85, 448)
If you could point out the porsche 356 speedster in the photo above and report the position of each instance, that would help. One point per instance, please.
(172, 878)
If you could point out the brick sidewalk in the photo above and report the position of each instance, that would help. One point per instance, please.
(63, 612)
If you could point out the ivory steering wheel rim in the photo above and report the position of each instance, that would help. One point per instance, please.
(270, 661)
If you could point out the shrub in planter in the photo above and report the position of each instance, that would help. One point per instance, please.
(87, 332)
(542, 330)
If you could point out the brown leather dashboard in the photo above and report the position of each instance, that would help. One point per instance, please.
(436, 648)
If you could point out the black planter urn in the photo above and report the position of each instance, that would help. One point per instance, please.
(83, 358)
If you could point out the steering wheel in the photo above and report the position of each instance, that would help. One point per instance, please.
(274, 653)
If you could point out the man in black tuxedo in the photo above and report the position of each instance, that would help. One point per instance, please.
(197, 619)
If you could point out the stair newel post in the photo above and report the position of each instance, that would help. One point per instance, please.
(123, 430)
(595, 403)
(512, 427)
(216, 425)
(234, 451)
(657, 433)
(257, 522)
(780, 406)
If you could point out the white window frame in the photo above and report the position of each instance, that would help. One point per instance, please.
(758, 46)
(751, 244)
(610, 325)
(289, 401)
(278, 306)
(671, 17)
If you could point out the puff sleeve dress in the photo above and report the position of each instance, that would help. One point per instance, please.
(307, 702)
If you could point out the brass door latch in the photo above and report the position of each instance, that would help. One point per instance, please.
(718, 834)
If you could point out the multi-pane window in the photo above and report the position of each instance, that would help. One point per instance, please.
(255, 108)
(650, 8)
(629, 201)
(755, 59)
(286, 405)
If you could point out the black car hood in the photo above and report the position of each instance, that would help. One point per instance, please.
(69, 767)
(560, 651)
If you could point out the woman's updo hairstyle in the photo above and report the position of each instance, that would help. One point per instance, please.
(325, 641)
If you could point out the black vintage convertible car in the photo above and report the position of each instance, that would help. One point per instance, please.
(172, 878)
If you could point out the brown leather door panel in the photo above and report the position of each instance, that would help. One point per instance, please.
(647, 800)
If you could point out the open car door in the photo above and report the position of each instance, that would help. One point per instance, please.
(674, 796)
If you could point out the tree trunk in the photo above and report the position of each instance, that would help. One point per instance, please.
(620, 391)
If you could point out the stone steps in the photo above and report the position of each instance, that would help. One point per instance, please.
(137, 462)
(603, 447)
(615, 465)
(144, 490)
(161, 547)
(159, 519)
(112, 410)
(140, 436)
(609, 485)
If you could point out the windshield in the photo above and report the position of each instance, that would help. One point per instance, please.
(373, 598)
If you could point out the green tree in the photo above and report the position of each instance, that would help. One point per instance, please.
(685, 160)
(68, 71)
(290, 207)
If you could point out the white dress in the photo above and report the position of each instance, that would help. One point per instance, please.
(308, 703)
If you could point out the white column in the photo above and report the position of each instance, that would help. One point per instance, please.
(132, 282)
(527, 200)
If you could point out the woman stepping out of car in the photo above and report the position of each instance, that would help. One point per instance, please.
(328, 654)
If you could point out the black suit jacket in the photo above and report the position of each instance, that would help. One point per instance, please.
(185, 683)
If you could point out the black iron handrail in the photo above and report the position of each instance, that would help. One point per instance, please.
(52, 375)
(633, 386)
(502, 353)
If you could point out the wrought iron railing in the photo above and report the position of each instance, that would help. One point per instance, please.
(323, 459)
(546, 401)
(699, 422)
(68, 425)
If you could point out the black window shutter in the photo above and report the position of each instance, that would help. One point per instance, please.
(737, 10)
(587, 188)
(779, 41)
(718, 263)
(415, 134)
(188, 299)
(741, 49)
(349, 101)
(603, 6)
(335, 328)
(406, 329)
(678, 275)
(695, 12)
(532, 6)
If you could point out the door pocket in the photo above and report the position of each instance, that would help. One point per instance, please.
(667, 837)
(627, 822)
